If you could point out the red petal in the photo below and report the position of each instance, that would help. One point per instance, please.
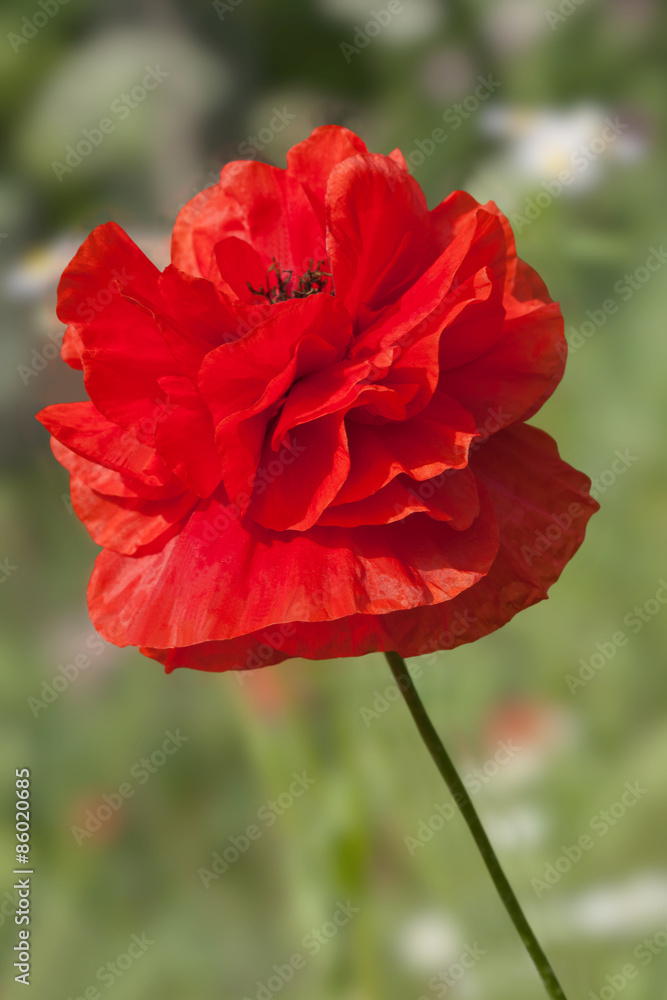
(456, 211)
(397, 156)
(312, 160)
(72, 346)
(127, 525)
(439, 329)
(240, 265)
(292, 488)
(109, 482)
(436, 439)
(83, 429)
(238, 582)
(452, 496)
(241, 382)
(337, 387)
(452, 215)
(380, 237)
(257, 203)
(195, 318)
(534, 494)
(185, 438)
(111, 289)
(513, 379)
(105, 266)
(125, 387)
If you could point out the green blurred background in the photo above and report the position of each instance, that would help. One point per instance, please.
(150, 868)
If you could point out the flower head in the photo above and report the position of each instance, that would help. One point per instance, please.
(307, 436)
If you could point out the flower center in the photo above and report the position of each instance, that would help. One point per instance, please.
(280, 287)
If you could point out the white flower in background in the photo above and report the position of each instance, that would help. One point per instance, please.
(429, 941)
(634, 906)
(516, 829)
(543, 142)
(39, 269)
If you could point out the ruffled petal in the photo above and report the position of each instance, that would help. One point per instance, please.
(129, 525)
(106, 265)
(110, 291)
(292, 488)
(255, 202)
(110, 482)
(241, 580)
(312, 161)
(379, 233)
(72, 346)
(452, 496)
(185, 438)
(194, 318)
(516, 376)
(86, 431)
(240, 266)
(436, 439)
(542, 506)
(243, 383)
(522, 282)
(442, 328)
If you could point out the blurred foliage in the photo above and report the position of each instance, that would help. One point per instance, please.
(344, 839)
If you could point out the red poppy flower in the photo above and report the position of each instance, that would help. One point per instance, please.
(306, 436)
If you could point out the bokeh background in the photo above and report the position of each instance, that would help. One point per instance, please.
(82, 715)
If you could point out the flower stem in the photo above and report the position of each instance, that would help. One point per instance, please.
(444, 764)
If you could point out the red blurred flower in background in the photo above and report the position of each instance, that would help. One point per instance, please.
(307, 436)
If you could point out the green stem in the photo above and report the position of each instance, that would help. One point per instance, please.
(444, 764)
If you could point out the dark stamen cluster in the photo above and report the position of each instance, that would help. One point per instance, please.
(313, 281)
